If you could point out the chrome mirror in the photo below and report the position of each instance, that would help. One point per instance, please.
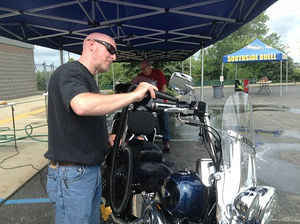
(181, 83)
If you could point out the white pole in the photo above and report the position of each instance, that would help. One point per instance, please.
(281, 78)
(286, 76)
(113, 72)
(202, 73)
(46, 76)
(222, 68)
(190, 65)
(61, 56)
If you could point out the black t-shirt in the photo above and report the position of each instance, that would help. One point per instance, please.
(73, 138)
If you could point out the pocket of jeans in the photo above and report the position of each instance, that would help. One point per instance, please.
(51, 186)
(73, 174)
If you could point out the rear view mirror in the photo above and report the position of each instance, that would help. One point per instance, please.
(181, 83)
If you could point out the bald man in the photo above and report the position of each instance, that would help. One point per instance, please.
(78, 139)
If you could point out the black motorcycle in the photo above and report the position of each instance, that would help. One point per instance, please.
(139, 186)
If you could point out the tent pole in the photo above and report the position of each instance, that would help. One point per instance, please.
(281, 78)
(222, 68)
(46, 76)
(286, 76)
(190, 72)
(190, 65)
(202, 71)
(61, 56)
(113, 72)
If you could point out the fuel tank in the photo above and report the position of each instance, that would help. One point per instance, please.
(183, 194)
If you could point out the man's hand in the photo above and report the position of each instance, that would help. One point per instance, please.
(143, 89)
(111, 140)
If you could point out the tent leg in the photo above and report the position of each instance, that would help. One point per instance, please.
(281, 78)
(202, 71)
(286, 76)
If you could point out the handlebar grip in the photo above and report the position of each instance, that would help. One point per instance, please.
(123, 88)
(165, 96)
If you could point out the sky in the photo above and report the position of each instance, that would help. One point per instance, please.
(284, 20)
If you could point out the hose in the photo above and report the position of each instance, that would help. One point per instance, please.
(112, 185)
(118, 209)
(4, 138)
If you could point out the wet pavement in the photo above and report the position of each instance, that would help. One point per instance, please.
(277, 138)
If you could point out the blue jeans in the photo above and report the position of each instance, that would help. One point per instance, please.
(75, 192)
(164, 127)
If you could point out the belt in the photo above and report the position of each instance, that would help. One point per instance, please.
(53, 164)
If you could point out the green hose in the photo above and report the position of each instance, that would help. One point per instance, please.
(4, 138)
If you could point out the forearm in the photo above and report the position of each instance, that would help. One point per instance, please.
(92, 104)
(164, 89)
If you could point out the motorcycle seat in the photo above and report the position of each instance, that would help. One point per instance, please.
(148, 175)
(145, 151)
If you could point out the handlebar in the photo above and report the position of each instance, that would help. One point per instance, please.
(168, 107)
(182, 108)
(179, 108)
(162, 106)
(165, 96)
(123, 88)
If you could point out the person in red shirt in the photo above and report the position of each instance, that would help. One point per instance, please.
(157, 76)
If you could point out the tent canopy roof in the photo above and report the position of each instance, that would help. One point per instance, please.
(158, 30)
(257, 51)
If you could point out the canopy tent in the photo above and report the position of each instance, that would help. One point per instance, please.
(257, 51)
(154, 29)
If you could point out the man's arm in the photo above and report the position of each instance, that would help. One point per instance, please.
(164, 88)
(94, 104)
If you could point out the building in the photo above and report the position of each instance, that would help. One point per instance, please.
(17, 71)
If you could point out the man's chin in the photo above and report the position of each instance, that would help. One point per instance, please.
(104, 69)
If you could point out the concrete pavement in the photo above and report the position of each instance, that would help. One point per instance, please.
(20, 163)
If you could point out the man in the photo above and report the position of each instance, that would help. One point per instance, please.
(159, 79)
(77, 129)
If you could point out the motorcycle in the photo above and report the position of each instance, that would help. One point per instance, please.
(139, 186)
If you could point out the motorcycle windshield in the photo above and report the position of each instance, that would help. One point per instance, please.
(238, 144)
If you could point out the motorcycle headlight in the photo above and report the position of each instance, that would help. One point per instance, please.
(267, 203)
(246, 204)
(256, 204)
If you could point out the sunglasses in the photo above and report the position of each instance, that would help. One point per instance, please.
(108, 46)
